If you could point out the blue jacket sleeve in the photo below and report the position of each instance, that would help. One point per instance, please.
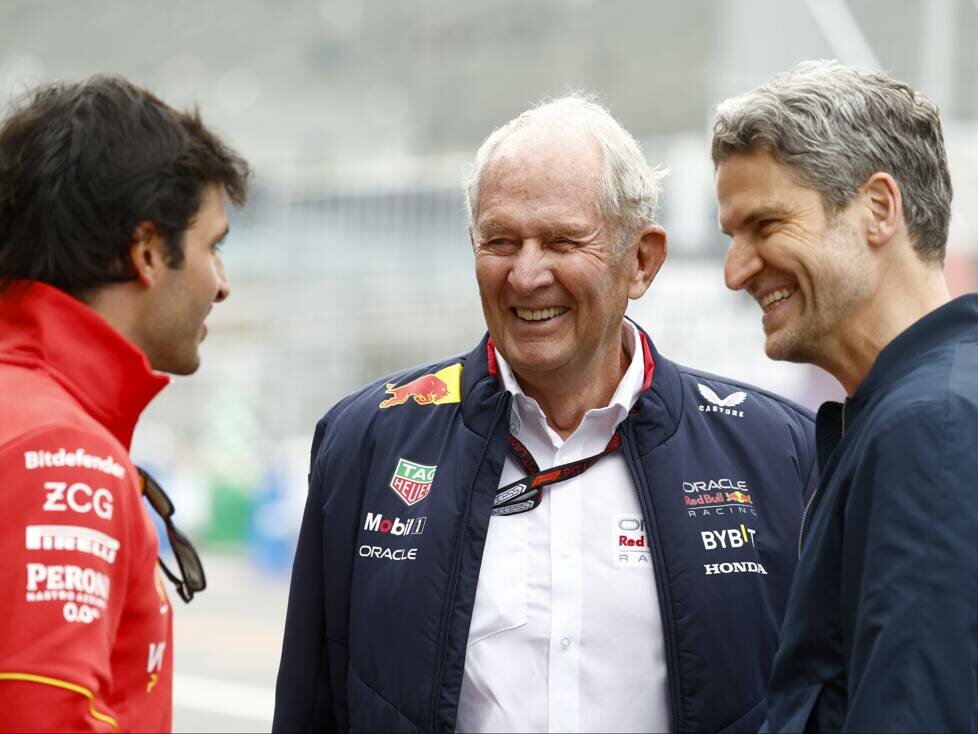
(303, 692)
(910, 577)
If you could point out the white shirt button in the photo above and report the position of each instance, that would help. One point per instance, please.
(565, 642)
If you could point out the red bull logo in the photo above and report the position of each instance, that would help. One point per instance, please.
(434, 389)
(740, 497)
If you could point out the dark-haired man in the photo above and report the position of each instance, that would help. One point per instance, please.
(833, 185)
(111, 216)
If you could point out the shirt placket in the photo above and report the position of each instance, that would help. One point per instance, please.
(566, 589)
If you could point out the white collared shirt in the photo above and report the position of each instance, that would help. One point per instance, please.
(566, 632)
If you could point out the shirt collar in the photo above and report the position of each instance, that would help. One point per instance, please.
(43, 327)
(621, 402)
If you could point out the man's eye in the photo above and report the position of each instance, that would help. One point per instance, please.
(766, 225)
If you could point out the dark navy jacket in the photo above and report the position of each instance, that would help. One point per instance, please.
(378, 622)
(881, 632)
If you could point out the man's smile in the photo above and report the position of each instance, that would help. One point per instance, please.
(540, 314)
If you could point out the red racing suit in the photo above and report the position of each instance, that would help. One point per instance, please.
(86, 633)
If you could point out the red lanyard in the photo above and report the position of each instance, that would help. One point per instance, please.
(526, 493)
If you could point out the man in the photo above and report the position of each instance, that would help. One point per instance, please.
(834, 189)
(111, 215)
(562, 530)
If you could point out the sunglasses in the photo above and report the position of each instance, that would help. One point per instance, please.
(191, 579)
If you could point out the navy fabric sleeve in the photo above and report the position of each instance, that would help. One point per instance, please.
(303, 693)
(910, 571)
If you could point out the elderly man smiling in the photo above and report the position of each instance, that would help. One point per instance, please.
(561, 530)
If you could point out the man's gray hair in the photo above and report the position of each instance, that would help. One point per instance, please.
(629, 193)
(836, 126)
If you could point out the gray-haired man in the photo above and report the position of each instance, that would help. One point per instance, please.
(833, 187)
(561, 530)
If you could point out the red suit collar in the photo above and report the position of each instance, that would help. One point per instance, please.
(45, 328)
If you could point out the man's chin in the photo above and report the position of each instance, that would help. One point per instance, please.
(180, 365)
(788, 348)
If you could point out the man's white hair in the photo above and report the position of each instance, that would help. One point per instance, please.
(629, 193)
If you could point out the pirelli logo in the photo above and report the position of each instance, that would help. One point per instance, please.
(71, 538)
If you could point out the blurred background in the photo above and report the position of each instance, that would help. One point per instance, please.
(352, 258)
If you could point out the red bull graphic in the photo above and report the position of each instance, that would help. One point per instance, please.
(740, 497)
(434, 389)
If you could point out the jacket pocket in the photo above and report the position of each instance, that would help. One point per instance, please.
(500, 597)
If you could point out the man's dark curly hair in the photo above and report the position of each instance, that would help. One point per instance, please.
(82, 164)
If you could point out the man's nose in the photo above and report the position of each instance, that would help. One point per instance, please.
(742, 264)
(223, 284)
(531, 269)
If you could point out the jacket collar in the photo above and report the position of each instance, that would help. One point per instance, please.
(947, 323)
(902, 355)
(45, 328)
(656, 413)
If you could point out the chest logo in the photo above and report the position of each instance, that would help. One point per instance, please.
(716, 404)
(435, 389)
(412, 482)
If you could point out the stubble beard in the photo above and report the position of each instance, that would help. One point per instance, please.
(843, 286)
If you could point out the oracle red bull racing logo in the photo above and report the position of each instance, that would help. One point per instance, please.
(722, 496)
(435, 389)
(412, 482)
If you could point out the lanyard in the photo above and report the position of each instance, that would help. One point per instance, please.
(526, 493)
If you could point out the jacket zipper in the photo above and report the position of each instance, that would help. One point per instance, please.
(446, 615)
(804, 514)
(665, 600)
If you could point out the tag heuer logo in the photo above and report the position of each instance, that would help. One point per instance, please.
(412, 482)
(722, 405)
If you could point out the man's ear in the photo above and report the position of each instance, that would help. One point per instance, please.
(884, 208)
(146, 253)
(650, 254)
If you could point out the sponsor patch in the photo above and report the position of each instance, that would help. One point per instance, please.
(631, 543)
(377, 523)
(412, 482)
(77, 458)
(71, 538)
(438, 388)
(82, 592)
(723, 497)
(77, 497)
(713, 485)
(388, 554)
(736, 567)
(728, 538)
(725, 406)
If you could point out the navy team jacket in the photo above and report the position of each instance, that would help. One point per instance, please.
(402, 479)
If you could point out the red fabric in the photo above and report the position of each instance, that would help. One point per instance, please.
(491, 356)
(82, 602)
(649, 362)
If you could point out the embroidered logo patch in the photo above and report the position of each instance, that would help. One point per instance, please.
(716, 404)
(412, 482)
(435, 389)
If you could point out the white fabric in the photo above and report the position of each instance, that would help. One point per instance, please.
(566, 632)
